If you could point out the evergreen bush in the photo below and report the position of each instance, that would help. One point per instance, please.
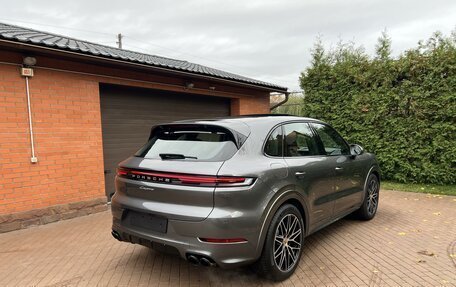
(403, 109)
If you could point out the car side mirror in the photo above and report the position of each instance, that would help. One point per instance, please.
(356, 149)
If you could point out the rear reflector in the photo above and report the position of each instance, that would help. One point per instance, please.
(223, 240)
(184, 179)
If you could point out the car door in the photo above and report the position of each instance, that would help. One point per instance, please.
(348, 171)
(309, 171)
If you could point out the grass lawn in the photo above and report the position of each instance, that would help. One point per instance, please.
(417, 187)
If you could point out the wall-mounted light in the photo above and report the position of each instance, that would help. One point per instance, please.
(212, 88)
(29, 61)
(189, 85)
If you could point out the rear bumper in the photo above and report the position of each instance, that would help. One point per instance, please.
(182, 237)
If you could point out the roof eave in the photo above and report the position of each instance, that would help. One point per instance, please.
(32, 47)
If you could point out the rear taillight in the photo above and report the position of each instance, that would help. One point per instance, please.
(122, 171)
(184, 179)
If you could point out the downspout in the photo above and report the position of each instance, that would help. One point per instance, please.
(287, 94)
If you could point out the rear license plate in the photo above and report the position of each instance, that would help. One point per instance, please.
(147, 221)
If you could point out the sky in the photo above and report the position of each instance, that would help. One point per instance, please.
(268, 40)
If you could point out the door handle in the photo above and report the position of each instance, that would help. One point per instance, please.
(339, 168)
(299, 173)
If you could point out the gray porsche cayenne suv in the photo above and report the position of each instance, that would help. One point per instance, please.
(238, 191)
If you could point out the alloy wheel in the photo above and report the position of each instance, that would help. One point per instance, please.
(372, 196)
(287, 242)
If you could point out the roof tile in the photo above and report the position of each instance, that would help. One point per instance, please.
(39, 38)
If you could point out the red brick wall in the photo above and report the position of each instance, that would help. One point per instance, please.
(254, 105)
(67, 128)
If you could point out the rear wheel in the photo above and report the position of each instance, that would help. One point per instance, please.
(368, 210)
(283, 245)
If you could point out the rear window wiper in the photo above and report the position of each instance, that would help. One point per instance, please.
(175, 156)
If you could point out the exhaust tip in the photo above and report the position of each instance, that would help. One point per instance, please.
(206, 262)
(193, 260)
(116, 235)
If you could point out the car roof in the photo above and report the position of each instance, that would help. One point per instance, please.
(244, 124)
(241, 126)
(250, 120)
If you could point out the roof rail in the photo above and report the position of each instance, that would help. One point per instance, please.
(266, 115)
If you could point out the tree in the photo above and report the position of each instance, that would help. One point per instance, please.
(383, 47)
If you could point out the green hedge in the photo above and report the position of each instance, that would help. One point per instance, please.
(401, 109)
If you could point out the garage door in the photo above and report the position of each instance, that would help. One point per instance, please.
(127, 115)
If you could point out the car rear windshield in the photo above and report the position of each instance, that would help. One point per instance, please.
(189, 143)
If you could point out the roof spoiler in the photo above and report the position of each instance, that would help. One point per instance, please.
(237, 137)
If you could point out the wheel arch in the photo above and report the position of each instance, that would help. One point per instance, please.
(374, 169)
(376, 172)
(288, 196)
(295, 202)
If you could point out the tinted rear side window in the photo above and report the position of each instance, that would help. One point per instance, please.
(274, 143)
(197, 145)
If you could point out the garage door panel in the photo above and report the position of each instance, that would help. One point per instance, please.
(128, 114)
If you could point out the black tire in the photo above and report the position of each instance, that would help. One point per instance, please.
(369, 207)
(268, 266)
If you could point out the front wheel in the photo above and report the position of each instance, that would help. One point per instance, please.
(368, 210)
(283, 244)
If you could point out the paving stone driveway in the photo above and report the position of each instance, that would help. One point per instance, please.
(411, 242)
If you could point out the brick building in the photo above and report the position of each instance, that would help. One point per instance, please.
(90, 107)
